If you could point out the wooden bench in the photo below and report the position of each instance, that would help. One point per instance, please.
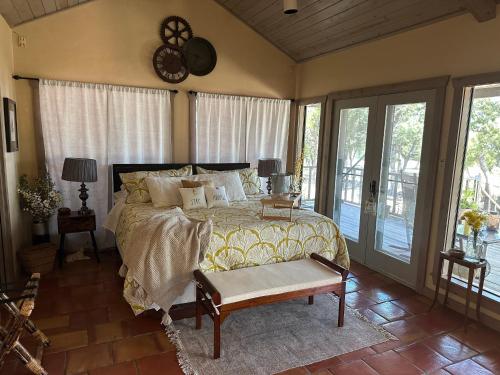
(220, 293)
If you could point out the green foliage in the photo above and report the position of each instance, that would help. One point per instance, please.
(408, 121)
(468, 200)
(311, 135)
(483, 147)
(356, 121)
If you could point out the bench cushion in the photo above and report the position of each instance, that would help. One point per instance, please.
(247, 283)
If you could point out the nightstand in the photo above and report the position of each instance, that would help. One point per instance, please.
(76, 223)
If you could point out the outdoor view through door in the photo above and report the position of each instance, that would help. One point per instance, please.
(404, 129)
(382, 168)
(350, 170)
(480, 184)
(312, 115)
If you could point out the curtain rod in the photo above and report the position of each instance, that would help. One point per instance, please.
(191, 92)
(18, 77)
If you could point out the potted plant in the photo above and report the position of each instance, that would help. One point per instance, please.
(40, 199)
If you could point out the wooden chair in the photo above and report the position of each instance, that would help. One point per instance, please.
(18, 321)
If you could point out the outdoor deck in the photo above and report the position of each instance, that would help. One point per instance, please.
(395, 241)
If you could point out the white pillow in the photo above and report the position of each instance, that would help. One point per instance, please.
(164, 191)
(231, 181)
(216, 196)
(193, 198)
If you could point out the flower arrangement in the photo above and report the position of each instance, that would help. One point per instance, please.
(475, 219)
(297, 174)
(39, 198)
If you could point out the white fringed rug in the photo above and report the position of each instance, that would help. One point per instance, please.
(273, 338)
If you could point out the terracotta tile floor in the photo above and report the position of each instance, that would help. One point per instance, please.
(94, 332)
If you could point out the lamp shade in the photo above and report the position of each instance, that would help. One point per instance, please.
(267, 167)
(79, 170)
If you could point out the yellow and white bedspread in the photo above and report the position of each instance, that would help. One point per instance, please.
(240, 238)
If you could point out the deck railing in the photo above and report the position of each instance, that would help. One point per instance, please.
(309, 182)
(352, 185)
(352, 189)
(486, 201)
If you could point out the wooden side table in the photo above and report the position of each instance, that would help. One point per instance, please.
(76, 223)
(472, 265)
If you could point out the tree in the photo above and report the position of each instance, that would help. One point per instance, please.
(356, 124)
(311, 135)
(483, 149)
(407, 133)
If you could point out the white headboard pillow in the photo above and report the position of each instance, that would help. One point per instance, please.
(231, 181)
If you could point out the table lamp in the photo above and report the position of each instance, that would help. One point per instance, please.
(266, 168)
(80, 170)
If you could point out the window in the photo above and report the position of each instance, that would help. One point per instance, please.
(310, 147)
(479, 180)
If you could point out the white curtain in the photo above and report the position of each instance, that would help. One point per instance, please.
(112, 124)
(240, 129)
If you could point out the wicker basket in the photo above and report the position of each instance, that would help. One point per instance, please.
(38, 258)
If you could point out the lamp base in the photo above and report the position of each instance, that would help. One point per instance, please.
(269, 186)
(84, 210)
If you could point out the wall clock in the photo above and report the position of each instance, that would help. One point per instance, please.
(169, 64)
(200, 56)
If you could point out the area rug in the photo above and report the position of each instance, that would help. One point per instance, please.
(273, 338)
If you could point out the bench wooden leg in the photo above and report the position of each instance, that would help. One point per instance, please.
(198, 308)
(217, 336)
(341, 306)
(311, 300)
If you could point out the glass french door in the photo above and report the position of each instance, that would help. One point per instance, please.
(382, 155)
(352, 170)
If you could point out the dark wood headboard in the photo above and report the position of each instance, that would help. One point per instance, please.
(127, 168)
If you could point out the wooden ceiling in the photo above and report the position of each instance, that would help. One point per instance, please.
(322, 26)
(319, 27)
(16, 12)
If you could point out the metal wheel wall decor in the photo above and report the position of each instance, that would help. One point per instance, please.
(175, 31)
(175, 59)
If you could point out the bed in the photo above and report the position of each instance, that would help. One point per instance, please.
(240, 238)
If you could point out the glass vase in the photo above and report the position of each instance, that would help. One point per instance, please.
(475, 248)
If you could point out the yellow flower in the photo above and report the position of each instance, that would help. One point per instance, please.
(475, 219)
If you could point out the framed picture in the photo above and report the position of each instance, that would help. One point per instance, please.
(9, 108)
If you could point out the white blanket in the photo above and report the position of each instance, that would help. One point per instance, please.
(163, 253)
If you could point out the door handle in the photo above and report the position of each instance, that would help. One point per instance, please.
(373, 188)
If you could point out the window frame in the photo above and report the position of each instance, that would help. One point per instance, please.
(453, 170)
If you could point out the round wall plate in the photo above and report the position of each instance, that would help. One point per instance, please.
(200, 56)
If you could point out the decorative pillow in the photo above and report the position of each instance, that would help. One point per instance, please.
(193, 184)
(193, 198)
(249, 178)
(137, 188)
(216, 196)
(231, 181)
(164, 191)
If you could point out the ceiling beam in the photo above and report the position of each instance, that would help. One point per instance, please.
(482, 10)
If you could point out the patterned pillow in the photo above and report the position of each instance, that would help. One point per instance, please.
(193, 198)
(138, 189)
(249, 178)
